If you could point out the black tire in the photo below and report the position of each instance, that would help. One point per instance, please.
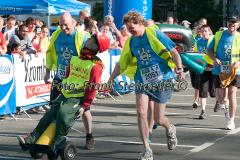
(35, 155)
(51, 157)
(69, 151)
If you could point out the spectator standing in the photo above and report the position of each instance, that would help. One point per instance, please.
(22, 38)
(10, 29)
(30, 23)
(170, 20)
(83, 14)
(186, 23)
(41, 39)
(3, 46)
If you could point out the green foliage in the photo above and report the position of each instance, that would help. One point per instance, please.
(191, 10)
(195, 10)
(97, 11)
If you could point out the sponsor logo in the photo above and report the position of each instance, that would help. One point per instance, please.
(144, 9)
(6, 70)
(35, 90)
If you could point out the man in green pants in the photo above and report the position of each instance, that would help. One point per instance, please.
(75, 96)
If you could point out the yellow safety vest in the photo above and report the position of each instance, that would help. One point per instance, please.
(80, 70)
(128, 63)
(235, 50)
(196, 46)
(52, 56)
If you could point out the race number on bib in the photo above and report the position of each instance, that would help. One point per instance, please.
(151, 74)
(61, 72)
(225, 67)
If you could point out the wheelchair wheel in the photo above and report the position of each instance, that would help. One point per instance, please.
(35, 155)
(69, 151)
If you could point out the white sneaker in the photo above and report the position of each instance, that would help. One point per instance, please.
(230, 124)
(147, 155)
(226, 112)
(172, 140)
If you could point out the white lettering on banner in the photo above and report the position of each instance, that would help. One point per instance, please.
(145, 8)
(6, 70)
(35, 90)
(32, 72)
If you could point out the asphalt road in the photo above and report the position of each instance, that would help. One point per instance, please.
(117, 137)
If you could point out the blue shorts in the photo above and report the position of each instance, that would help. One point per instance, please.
(158, 96)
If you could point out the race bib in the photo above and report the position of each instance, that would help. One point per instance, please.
(61, 72)
(151, 74)
(225, 67)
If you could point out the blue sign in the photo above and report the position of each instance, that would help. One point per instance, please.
(7, 85)
(122, 83)
(117, 8)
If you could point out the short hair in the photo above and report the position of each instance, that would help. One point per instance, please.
(89, 23)
(11, 18)
(29, 20)
(83, 11)
(21, 27)
(108, 17)
(208, 27)
(134, 17)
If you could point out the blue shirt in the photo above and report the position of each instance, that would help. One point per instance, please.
(223, 50)
(65, 48)
(202, 45)
(150, 67)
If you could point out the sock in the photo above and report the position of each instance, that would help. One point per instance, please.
(89, 135)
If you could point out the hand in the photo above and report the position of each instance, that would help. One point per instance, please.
(79, 113)
(47, 77)
(236, 64)
(217, 62)
(180, 73)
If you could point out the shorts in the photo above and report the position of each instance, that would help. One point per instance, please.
(235, 82)
(158, 96)
(195, 80)
(206, 85)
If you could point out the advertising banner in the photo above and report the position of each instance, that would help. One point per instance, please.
(7, 85)
(31, 89)
(117, 8)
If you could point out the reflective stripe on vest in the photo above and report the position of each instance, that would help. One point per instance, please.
(128, 63)
(196, 46)
(80, 71)
(52, 56)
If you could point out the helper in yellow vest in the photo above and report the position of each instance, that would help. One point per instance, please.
(225, 52)
(149, 58)
(75, 96)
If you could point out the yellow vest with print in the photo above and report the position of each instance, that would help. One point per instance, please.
(80, 70)
(235, 50)
(52, 56)
(196, 46)
(128, 63)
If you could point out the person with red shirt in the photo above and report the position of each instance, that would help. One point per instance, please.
(76, 97)
(3, 46)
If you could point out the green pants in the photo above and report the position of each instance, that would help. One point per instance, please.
(63, 111)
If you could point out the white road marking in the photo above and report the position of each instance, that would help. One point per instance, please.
(234, 131)
(134, 142)
(201, 147)
(14, 158)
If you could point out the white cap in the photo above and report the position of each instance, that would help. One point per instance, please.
(185, 21)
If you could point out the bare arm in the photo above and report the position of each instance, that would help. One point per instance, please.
(212, 56)
(178, 62)
(115, 72)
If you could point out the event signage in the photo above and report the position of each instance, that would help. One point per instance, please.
(7, 85)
